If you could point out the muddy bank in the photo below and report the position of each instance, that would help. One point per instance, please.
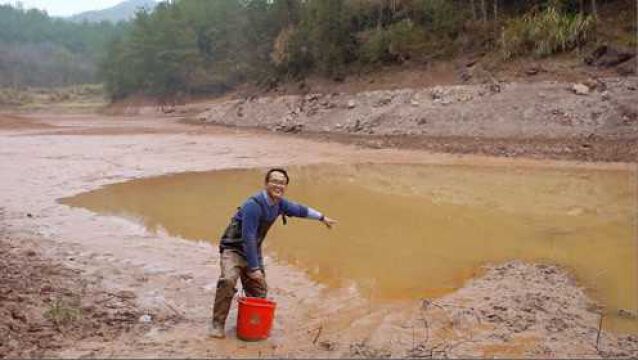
(164, 275)
(593, 120)
(522, 303)
(9, 121)
(515, 310)
(590, 148)
(47, 306)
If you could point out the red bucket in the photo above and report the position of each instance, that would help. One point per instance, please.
(254, 318)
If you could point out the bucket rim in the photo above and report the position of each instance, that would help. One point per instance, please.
(256, 301)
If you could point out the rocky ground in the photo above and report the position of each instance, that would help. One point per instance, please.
(592, 120)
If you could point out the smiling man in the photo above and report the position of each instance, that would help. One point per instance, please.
(240, 245)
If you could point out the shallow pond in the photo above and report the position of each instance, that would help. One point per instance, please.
(413, 231)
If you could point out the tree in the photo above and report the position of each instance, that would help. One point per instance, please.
(41, 51)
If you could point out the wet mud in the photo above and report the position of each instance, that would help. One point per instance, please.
(514, 309)
(413, 231)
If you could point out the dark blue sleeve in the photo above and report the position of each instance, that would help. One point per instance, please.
(249, 223)
(293, 209)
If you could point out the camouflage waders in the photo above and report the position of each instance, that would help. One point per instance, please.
(234, 267)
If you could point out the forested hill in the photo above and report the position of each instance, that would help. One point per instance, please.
(123, 11)
(196, 46)
(206, 46)
(38, 50)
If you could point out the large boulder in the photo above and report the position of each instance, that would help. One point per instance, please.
(606, 56)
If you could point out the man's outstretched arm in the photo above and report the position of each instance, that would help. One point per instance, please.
(291, 208)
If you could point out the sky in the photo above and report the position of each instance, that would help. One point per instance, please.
(64, 7)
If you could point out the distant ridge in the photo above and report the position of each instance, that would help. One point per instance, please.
(121, 12)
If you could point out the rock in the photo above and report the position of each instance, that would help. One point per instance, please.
(595, 84)
(464, 97)
(328, 105)
(627, 68)
(532, 71)
(414, 103)
(126, 294)
(580, 89)
(145, 319)
(436, 93)
(606, 56)
(495, 88)
(384, 101)
(312, 97)
(289, 128)
(46, 289)
(605, 95)
(327, 345)
(443, 101)
(351, 104)
(627, 314)
(576, 211)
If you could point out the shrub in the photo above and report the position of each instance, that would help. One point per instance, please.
(374, 46)
(291, 51)
(545, 33)
(406, 39)
(400, 41)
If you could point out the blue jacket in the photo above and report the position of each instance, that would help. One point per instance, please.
(251, 223)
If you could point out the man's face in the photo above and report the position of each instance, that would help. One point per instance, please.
(276, 185)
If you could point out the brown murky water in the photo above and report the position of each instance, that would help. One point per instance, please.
(413, 231)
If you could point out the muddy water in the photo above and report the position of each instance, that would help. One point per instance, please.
(413, 231)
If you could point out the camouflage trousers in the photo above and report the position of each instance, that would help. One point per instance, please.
(234, 267)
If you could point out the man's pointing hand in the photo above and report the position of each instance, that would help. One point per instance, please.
(328, 222)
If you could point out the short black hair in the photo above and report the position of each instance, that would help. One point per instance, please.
(279, 170)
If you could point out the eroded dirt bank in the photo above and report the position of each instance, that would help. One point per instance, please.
(107, 266)
(592, 120)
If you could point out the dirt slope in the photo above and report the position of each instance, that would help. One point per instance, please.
(596, 120)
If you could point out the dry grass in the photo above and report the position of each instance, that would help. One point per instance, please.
(61, 314)
(545, 33)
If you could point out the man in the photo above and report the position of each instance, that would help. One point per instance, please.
(240, 246)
